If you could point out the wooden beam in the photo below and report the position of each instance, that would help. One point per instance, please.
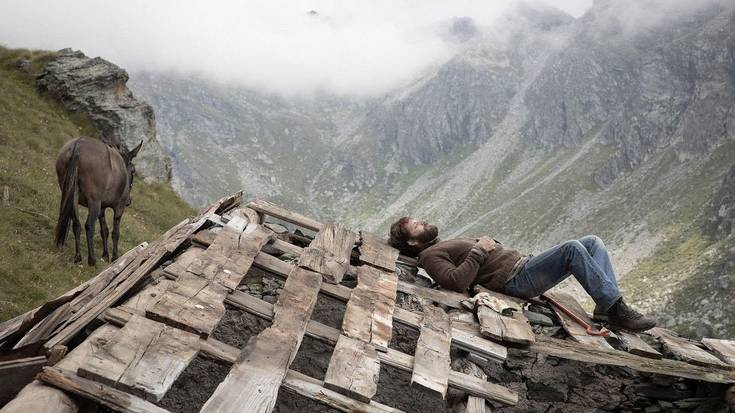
(112, 398)
(42, 330)
(312, 388)
(575, 330)
(445, 297)
(592, 354)
(685, 349)
(353, 369)
(329, 252)
(432, 361)
(144, 358)
(253, 382)
(369, 313)
(374, 250)
(391, 357)
(725, 349)
(467, 341)
(267, 208)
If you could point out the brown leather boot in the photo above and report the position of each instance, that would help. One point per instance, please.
(620, 316)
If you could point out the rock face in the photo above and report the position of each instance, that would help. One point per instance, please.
(97, 88)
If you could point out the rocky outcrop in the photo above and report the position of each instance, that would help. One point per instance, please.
(97, 88)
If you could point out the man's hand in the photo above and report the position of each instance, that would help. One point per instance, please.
(486, 243)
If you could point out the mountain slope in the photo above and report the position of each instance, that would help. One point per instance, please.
(608, 124)
(32, 131)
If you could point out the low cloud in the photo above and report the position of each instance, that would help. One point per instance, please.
(290, 47)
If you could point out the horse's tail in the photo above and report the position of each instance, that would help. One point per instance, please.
(69, 189)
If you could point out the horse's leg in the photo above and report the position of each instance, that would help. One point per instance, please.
(104, 232)
(94, 213)
(76, 227)
(115, 232)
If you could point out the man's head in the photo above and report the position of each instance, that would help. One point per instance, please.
(411, 236)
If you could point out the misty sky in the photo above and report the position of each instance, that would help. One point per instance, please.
(348, 47)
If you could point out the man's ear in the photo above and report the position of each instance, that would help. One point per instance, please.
(135, 151)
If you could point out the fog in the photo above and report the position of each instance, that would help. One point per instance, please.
(285, 46)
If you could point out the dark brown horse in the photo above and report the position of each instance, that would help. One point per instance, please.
(97, 176)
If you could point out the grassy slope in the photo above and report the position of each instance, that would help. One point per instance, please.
(32, 130)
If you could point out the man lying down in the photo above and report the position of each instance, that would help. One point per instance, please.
(459, 264)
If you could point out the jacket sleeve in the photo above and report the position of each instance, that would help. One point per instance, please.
(456, 278)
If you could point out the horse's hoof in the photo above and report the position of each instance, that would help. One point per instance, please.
(106, 257)
(114, 258)
(77, 259)
(92, 263)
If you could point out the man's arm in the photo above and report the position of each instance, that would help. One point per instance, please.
(457, 278)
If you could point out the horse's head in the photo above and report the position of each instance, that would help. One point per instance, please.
(128, 157)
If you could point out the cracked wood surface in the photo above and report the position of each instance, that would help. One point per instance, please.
(143, 358)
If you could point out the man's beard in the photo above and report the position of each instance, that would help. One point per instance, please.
(430, 233)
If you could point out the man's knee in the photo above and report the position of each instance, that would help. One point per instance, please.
(574, 246)
(592, 242)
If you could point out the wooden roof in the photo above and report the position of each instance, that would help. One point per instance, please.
(160, 302)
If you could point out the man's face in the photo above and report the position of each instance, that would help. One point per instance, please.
(420, 231)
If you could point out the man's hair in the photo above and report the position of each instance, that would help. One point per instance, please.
(399, 238)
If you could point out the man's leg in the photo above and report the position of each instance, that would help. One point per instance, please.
(549, 268)
(598, 251)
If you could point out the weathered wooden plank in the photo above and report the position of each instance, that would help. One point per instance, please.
(143, 358)
(253, 382)
(725, 349)
(635, 345)
(576, 331)
(14, 329)
(353, 369)
(432, 361)
(592, 354)
(38, 397)
(294, 381)
(468, 341)
(229, 257)
(445, 297)
(276, 211)
(148, 259)
(112, 398)
(369, 313)
(329, 252)
(312, 388)
(182, 262)
(192, 303)
(374, 250)
(15, 374)
(686, 350)
(146, 298)
(43, 329)
(391, 357)
(504, 328)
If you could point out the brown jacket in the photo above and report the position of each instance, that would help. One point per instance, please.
(456, 265)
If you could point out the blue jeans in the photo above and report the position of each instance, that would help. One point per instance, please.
(587, 259)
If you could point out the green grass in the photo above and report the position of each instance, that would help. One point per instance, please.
(32, 130)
